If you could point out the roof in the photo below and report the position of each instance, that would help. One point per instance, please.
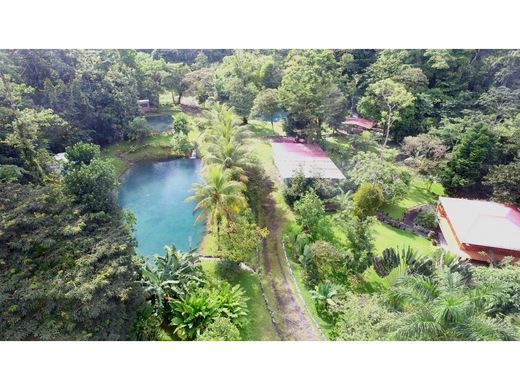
(484, 223)
(361, 122)
(291, 157)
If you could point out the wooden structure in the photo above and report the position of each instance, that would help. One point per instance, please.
(479, 230)
(356, 125)
(144, 105)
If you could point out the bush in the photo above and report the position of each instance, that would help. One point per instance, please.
(324, 263)
(180, 144)
(181, 123)
(222, 329)
(427, 219)
(367, 200)
(309, 211)
(82, 153)
(94, 185)
(362, 318)
(227, 269)
(138, 129)
(508, 279)
(147, 325)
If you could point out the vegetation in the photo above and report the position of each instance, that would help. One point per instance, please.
(450, 125)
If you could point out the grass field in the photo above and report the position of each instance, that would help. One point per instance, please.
(386, 236)
(260, 328)
(417, 195)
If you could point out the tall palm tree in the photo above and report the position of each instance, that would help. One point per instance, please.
(218, 198)
(230, 155)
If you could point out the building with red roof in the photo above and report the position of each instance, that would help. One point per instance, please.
(479, 230)
(358, 125)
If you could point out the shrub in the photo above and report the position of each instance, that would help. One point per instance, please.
(324, 263)
(180, 144)
(427, 219)
(309, 211)
(82, 153)
(227, 269)
(94, 185)
(222, 329)
(367, 200)
(147, 325)
(138, 129)
(181, 123)
(508, 279)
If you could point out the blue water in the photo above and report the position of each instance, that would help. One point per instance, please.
(160, 122)
(155, 191)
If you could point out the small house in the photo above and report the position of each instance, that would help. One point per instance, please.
(479, 230)
(144, 105)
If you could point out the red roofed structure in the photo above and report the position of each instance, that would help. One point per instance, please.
(357, 125)
(479, 230)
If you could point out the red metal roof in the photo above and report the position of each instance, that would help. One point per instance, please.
(483, 223)
(361, 122)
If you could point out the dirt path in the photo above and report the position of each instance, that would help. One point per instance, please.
(293, 318)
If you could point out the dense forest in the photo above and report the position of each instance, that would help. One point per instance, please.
(68, 266)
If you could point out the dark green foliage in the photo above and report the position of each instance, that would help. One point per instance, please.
(507, 279)
(414, 263)
(227, 269)
(64, 275)
(82, 153)
(505, 182)
(94, 185)
(138, 129)
(10, 173)
(470, 160)
(427, 219)
(296, 187)
(147, 326)
(170, 276)
(181, 145)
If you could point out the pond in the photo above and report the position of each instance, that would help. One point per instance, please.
(160, 122)
(155, 191)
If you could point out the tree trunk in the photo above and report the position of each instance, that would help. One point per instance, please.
(218, 236)
(244, 120)
(180, 97)
(173, 97)
(272, 120)
(388, 124)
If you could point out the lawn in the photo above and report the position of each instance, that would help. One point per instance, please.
(386, 236)
(124, 153)
(260, 327)
(417, 195)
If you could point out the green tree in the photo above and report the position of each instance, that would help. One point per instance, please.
(390, 98)
(82, 153)
(309, 212)
(173, 80)
(372, 168)
(368, 198)
(443, 307)
(470, 159)
(308, 78)
(240, 240)
(505, 182)
(94, 185)
(218, 198)
(181, 123)
(267, 103)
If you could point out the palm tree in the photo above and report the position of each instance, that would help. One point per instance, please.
(218, 198)
(444, 307)
(230, 155)
(223, 127)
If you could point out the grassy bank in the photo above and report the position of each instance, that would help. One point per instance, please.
(260, 327)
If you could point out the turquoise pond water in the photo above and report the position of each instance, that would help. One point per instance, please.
(160, 122)
(155, 191)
